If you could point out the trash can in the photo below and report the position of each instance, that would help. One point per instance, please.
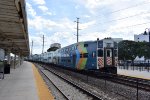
(7, 69)
(1, 70)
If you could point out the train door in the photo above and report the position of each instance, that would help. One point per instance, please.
(100, 58)
(108, 57)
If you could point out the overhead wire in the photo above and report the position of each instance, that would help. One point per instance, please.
(136, 5)
(123, 18)
(139, 24)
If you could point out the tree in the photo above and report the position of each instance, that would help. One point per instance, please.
(128, 50)
(143, 50)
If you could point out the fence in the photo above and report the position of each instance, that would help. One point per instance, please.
(138, 65)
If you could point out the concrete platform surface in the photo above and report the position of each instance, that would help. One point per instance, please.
(19, 84)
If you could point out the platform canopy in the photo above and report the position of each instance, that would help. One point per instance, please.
(13, 27)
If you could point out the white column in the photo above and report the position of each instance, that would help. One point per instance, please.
(19, 59)
(8, 56)
(15, 61)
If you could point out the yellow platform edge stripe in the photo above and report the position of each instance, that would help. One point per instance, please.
(43, 92)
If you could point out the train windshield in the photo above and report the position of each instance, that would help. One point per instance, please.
(100, 53)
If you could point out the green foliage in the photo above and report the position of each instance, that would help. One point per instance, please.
(128, 50)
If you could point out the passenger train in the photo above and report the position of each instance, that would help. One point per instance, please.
(89, 55)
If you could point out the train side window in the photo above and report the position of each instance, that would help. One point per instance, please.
(93, 54)
(80, 55)
(100, 53)
(85, 55)
(69, 60)
(75, 47)
(85, 45)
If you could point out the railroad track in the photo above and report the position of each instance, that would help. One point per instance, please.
(83, 91)
(139, 83)
(64, 96)
(111, 80)
(130, 81)
(122, 79)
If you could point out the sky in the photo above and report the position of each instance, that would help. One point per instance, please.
(55, 19)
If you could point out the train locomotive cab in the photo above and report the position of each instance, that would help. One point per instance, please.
(107, 56)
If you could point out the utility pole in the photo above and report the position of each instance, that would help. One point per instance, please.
(77, 29)
(43, 45)
(32, 48)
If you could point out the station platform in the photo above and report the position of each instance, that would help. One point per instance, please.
(134, 73)
(24, 83)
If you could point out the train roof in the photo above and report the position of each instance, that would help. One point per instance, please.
(92, 41)
(78, 43)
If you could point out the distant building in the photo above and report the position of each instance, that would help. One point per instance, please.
(142, 37)
(54, 47)
(58, 45)
(117, 39)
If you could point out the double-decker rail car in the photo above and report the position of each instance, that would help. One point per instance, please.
(80, 56)
(50, 57)
(89, 55)
(107, 55)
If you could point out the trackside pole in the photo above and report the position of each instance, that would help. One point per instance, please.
(97, 54)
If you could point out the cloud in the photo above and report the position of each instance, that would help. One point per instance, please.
(92, 36)
(130, 25)
(93, 5)
(125, 28)
(63, 31)
(37, 44)
(77, 7)
(39, 23)
(43, 8)
(30, 10)
(87, 25)
(86, 16)
(64, 38)
(49, 13)
(99, 20)
(39, 2)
